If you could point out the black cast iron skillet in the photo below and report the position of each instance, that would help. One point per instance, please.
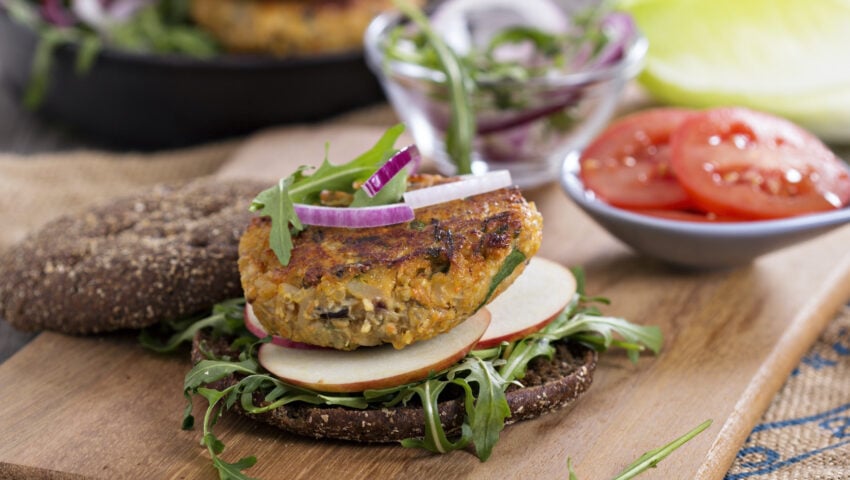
(149, 102)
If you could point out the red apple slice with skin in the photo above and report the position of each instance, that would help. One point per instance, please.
(368, 368)
(535, 298)
(252, 323)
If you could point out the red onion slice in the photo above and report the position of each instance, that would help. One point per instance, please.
(391, 168)
(363, 217)
(621, 29)
(55, 13)
(468, 187)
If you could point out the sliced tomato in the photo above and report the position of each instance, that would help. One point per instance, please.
(628, 165)
(737, 162)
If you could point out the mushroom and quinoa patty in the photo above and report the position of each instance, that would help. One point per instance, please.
(346, 288)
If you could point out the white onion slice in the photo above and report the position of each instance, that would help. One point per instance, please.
(468, 187)
(363, 217)
(391, 168)
(102, 15)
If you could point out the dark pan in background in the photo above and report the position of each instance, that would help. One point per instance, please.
(150, 102)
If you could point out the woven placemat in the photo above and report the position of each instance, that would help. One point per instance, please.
(805, 434)
(37, 188)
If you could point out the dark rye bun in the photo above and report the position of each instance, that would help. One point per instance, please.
(548, 385)
(160, 255)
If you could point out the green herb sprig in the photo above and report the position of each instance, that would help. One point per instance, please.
(278, 201)
(226, 319)
(460, 86)
(482, 80)
(651, 458)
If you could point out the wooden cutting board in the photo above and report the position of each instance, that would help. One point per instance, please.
(104, 407)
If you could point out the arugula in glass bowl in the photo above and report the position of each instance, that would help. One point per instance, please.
(492, 84)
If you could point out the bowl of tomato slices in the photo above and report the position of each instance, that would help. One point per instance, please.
(711, 188)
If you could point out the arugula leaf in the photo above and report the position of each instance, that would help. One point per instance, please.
(570, 469)
(505, 270)
(521, 353)
(546, 43)
(22, 12)
(341, 177)
(278, 201)
(226, 471)
(460, 86)
(487, 408)
(208, 371)
(651, 458)
(226, 319)
(598, 333)
(435, 439)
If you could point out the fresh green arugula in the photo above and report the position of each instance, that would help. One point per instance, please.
(278, 201)
(508, 266)
(651, 458)
(460, 86)
(482, 81)
(483, 377)
(226, 319)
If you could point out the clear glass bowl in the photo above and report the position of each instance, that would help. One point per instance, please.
(559, 113)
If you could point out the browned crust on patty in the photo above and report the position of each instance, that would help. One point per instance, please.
(344, 288)
(164, 254)
(549, 385)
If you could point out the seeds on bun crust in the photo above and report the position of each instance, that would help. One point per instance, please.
(548, 386)
(346, 288)
(161, 255)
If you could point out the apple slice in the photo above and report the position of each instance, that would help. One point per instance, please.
(252, 323)
(373, 367)
(535, 298)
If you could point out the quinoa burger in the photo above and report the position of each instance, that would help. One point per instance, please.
(382, 306)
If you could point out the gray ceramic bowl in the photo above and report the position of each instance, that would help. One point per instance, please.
(696, 244)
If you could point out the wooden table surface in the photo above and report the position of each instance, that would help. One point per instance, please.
(20, 132)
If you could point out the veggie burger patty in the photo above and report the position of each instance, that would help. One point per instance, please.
(346, 288)
(288, 27)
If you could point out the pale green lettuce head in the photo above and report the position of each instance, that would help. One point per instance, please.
(788, 57)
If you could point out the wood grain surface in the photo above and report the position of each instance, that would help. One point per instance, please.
(103, 407)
